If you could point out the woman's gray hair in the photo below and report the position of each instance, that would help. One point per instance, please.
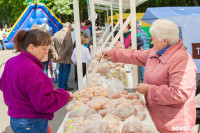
(163, 28)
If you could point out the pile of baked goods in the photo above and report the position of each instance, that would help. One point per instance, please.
(102, 110)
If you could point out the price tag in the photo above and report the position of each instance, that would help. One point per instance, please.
(76, 108)
(79, 97)
(69, 127)
(69, 121)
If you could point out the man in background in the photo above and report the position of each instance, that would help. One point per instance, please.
(62, 50)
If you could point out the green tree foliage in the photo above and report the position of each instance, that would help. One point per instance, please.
(11, 9)
(63, 7)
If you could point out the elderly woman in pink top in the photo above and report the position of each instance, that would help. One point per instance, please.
(169, 79)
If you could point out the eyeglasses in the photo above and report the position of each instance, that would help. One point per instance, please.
(150, 39)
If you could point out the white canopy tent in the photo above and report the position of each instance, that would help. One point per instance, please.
(109, 4)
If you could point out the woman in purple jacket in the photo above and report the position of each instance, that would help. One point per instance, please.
(28, 92)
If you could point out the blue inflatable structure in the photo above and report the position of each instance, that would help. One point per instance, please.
(36, 13)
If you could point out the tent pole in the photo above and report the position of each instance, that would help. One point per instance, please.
(121, 20)
(107, 17)
(119, 32)
(78, 44)
(134, 39)
(92, 16)
(107, 39)
(104, 34)
(111, 18)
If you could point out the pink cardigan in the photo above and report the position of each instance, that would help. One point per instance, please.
(172, 78)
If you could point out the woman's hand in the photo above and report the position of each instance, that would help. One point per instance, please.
(142, 88)
(71, 96)
(105, 54)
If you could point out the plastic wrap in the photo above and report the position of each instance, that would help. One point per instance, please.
(97, 127)
(80, 111)
(136, 102)
(112, 103)
(132, 125)
(148, 129)
(140, 115)
(113, 121)
(97, 103)
(74, 121)
(73, 105)
(133, 96)
(92, 118)
(124, 111)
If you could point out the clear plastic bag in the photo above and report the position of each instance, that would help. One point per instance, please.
(73, 105)
(113, 121)
(80, 111)
(97, 127)
(97, 103)
(132, 125)
(148, 129)
(92, 118)
(123, 111)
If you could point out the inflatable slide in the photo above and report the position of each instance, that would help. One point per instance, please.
(36, 13)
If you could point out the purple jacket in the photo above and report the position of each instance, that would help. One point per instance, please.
(28, 91)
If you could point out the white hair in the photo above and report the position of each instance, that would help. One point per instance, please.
(163, 28)
(67, 24)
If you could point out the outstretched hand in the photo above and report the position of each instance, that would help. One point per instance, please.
(72, 96)
(104, 54)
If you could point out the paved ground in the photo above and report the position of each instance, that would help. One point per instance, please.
(59, 115)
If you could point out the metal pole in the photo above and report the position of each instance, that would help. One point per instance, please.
(119, 32)
(107, 39)
(93, 25)
(112, 19)
(78, 43)
(107, 17)
(104, 34)
(133, 38)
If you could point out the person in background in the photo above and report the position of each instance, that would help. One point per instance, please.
(86, 41)
(62, 49)
(28, 92)
(128, 44)
(1, 40)
(169, 79)
(127, 38)
(73, 36)
(5, 29)
(86, 30)
(85, 57)
(146, 45)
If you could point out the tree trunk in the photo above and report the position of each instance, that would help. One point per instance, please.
(195, 2)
